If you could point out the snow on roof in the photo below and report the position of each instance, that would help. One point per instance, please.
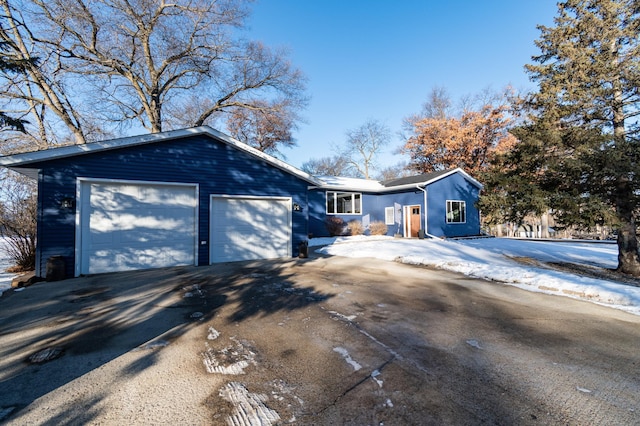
(368, 185)
(338, 182)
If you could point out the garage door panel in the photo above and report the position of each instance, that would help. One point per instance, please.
(250, 228)
(118, 197)
(127, 226)
(237, 249)
(131, 259)
(143, 236)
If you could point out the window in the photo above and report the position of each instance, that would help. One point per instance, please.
(389, 215)
(344, 203)
(456, 211)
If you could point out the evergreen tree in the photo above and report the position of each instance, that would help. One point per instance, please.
(588, 102)
(12, 64)
(561, 169)
(512, 181)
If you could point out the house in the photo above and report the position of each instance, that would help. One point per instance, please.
(438, 204)
(197, 197)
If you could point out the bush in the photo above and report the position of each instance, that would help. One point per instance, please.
(335, 226)
(355, 227)
(378, 228)
(18, 221)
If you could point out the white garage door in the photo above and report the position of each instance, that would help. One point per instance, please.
(244, 228)
(132, 225)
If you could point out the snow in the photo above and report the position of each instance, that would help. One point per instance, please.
(249, 408)
(5, 262)
(350, 183)
(345, 354)
(494, 259)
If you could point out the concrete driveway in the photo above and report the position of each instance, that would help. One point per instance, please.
(311, 341)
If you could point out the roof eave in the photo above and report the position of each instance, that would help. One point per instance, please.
(404, 187)
(19, 161)
(466, 175)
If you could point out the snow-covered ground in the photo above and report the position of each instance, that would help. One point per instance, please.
(492, 259)
(5, 262)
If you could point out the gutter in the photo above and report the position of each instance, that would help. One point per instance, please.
(426, 213)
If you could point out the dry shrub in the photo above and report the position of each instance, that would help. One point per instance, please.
(355, 227)
(335, 226)
(18, 220)
(378, 228)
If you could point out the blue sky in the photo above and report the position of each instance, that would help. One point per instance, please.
(374, 59)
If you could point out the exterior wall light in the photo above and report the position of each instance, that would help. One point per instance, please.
(67, 203)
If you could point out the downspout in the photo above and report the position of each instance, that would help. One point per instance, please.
(426, 213)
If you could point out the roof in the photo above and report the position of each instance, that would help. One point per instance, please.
(410, 182)
(22, 162)
(351, 183)
(414, 179)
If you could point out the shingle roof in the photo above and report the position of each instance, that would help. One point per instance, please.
(415, 179)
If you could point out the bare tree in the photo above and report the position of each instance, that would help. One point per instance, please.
(146, 58)
(266, 126)
(108, 65)
(395, 171)
(39, 90)
(364, 144)
(18, 219)
(327, 166)
(438, 103)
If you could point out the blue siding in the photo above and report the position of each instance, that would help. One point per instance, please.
(453, 187)
(217, 167)
(373, 208)
(317, 211)
(408, 198)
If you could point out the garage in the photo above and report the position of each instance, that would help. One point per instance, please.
(147, 201)
(130, 225)
(248, 228)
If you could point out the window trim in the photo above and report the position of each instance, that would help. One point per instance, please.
(354, 195)
(389, 216)
(449, 208)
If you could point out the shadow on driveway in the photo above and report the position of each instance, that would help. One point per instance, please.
(90, 321)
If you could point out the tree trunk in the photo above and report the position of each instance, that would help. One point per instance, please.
(628, 259)
(544, 223)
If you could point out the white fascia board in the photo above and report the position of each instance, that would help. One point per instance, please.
(18, 161)
(442, 176)
(466, 175)
(73, 150)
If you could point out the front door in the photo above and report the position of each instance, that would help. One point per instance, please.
(412, 220)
